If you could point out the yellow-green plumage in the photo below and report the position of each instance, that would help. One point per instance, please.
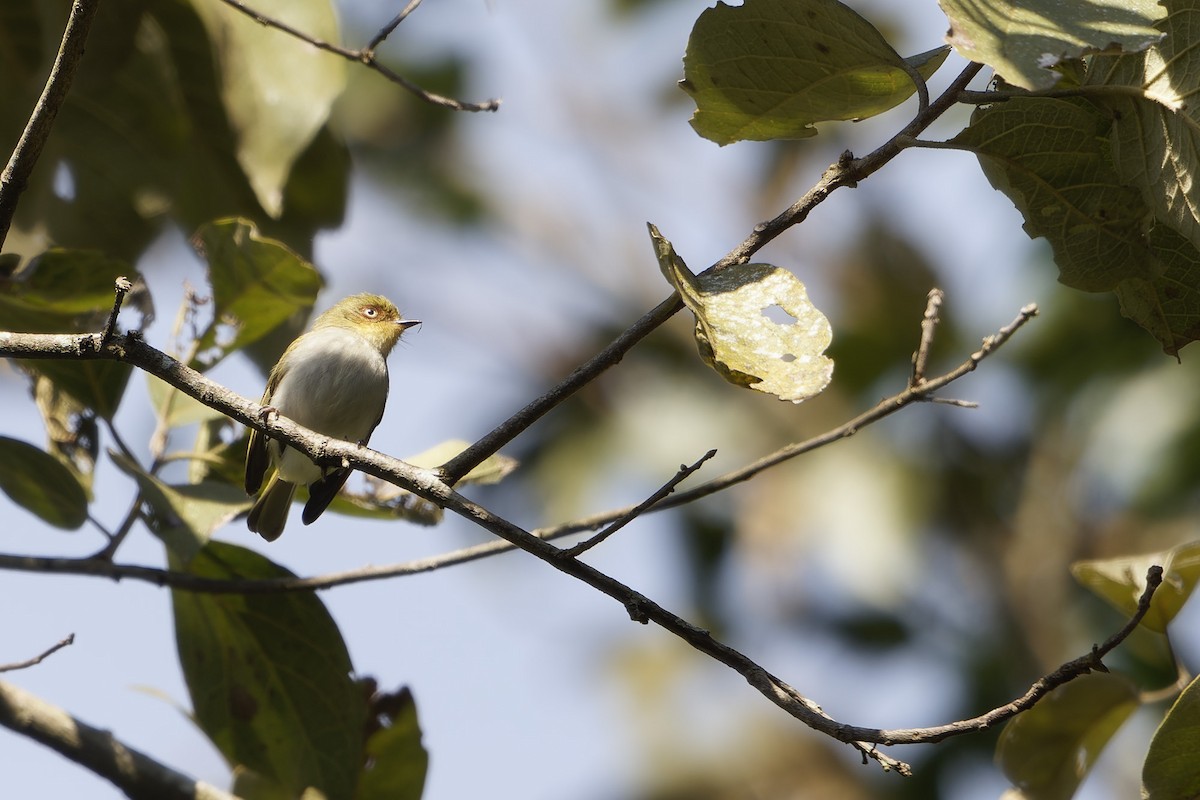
(334, 380)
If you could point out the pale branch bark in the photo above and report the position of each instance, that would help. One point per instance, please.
(99, 565)
(929, 325)
(136, 774)
(15, 176)
(427, 484)
(366, 56)
(847, 171)
(39, 658)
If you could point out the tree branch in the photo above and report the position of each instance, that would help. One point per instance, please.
(427, 484)
(33, 662)
(847, 171)
(25, 155)
(135, 773)
(366, 56)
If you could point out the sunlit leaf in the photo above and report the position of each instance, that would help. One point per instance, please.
(40, 483)
(1171, 770)
(1121, 581)
(737, 338)
(1024, 40)
(277, 91)
(269, 677)
(1047, 751)
(769, 69)
(258, 283)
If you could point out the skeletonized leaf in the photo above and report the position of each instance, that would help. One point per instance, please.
(1024, 40)
(737, 338)
(1121, 581)
(769, 69)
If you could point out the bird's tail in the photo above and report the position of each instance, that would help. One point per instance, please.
(270, 511)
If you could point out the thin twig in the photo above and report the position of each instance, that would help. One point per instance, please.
(123, 285)
(922, 87)
(364, 56)
(386, 30)
(100, 567)
(15, 176)
(33, 662)
(640, 508)
(929, 325)
(847, 171)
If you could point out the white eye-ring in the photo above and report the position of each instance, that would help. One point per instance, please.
(370, 312)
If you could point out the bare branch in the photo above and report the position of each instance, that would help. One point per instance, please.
(429, 485)
(365, 56)
(123, 285)
(100, 566)
(929, 325)
(386, 30)
(25, 155)
(33, 662)
(135, 773)
(639, 509)
(847, 171)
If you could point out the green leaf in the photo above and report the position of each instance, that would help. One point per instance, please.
(39, 482)
(185, 515)
(1167, 303)
(737, 338)
(174, 408)
(70, 291)
(1023, 41)
(1171, 770)
(491, 470)
(277, 91)
(769, 69)
(1051, 158)
(258, 284)
(1047, 751)
(1121, 581)
(269, 677)
(397, 762)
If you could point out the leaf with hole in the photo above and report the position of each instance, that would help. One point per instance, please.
(735, 333)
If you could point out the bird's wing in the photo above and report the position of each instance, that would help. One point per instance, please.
(257, 459)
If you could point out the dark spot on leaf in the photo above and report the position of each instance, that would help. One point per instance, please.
(823, 49)
(242, 704)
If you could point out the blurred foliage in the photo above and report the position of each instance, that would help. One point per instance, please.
(942, 533)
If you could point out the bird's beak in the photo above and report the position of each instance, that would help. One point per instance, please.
(405, 324)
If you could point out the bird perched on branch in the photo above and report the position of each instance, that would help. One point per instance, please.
(333, 379)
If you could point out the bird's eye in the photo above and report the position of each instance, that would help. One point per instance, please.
(370, 312)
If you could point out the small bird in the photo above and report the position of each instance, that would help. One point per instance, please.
(334, 380)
